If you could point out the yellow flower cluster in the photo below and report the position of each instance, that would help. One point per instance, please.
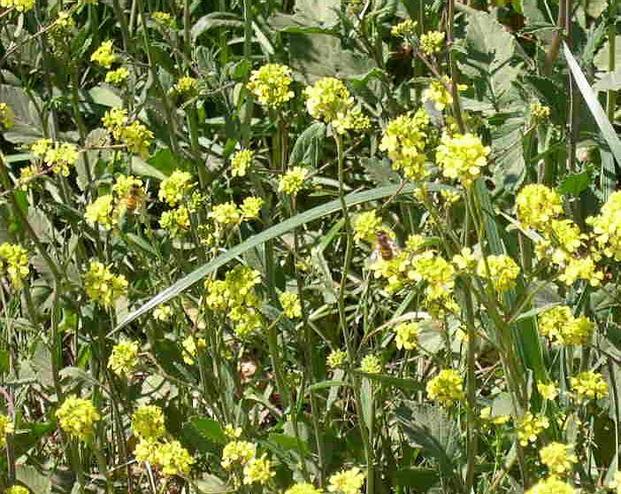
(292, 181)
(176, 220)
(19, 5)
(336, 359)
(241, 161)
(103, 286)
(537, 205)
(607, 227)
(236, 296)
(14, 263)
(291, 305)
(105, 55)
(170, 457)
(461, 157)
(589, 385)
(7, 117)
(185, 86)
(118, 76)
(17, 489)
(500, 270)
(190, 346)
(163, 313)
(439, 93)
(258, 471)
(175, 187)
(404, 140)
(303, 488)
(551, 485)
(173, 459)
(539, 112)
(271, 85)
(346, 481)
(409, 266)
(237, 454)
(366, 225)
(123, 358)
(148, 422)
(558, 457)
(57, 156)
(406, 335)
(371, 364)
(77, 417)
(404, 29)
(446, 388)
(100, 211)
(163, 18)
(548, 391)
(330, 100)
(530, 427)
(431, 42)
(559, 325)
(133, 135)
(6, 427)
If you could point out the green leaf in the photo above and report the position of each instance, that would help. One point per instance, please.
(31, 478)
(210, 484)
(430, 428)
(215, 20)
(105, 96)
(256, 240)
(490, 49)
(209, 429)
(308, 145)
(574, 184)
(593, 103)
(421, 479)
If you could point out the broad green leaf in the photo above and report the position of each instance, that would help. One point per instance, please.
(430, 428)
(575, 183)
(308, 145)
(490, 49)
(33, 479)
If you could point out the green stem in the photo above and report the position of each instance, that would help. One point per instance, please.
(349, 344)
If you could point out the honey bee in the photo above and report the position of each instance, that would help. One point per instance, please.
(385, 247)
(134, 199)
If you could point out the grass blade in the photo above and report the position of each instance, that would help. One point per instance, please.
(593, 103)
(271, 233)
